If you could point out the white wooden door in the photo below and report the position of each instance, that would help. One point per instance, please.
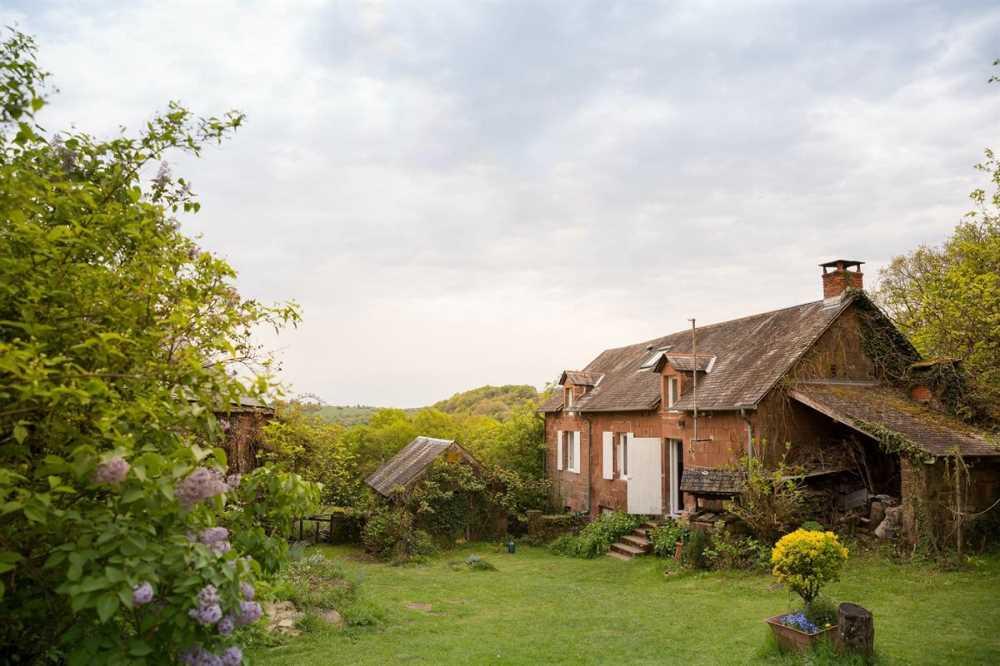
(645, 476)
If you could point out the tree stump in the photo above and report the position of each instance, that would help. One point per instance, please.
(855, 630)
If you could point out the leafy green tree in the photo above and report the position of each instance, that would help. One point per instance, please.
(302, 442)
(118, 341)
(947, 299)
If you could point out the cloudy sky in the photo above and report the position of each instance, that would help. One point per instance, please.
(461, 193)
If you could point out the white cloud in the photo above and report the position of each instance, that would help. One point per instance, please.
(467, 193)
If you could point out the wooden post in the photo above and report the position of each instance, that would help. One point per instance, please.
(855, 630)
(315, 520)
(301, 527)
(331, 528)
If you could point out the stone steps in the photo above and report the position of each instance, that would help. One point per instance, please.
(634, 544)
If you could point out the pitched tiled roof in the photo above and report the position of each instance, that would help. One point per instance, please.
(711, 481)
(751, 353)
(407, 465)
(871, 408)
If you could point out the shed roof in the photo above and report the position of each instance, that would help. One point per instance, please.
(711, 481)
(411, 462)
(752, 354)
(869, 408)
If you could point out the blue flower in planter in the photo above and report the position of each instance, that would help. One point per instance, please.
(800, 622)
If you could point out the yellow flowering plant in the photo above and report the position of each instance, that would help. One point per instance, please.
(805, 561)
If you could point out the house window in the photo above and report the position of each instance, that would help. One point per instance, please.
(570, 450)
(622, 446)
(671, 391)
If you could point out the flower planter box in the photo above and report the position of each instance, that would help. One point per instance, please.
(791, 639)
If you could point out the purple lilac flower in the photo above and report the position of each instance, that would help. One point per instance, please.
(208, 596)
(199, 485)
(216, 539)
(250, 612)
(199, 656)
(113, 471)
(142, 594)
(206, 615)
(233, 656)
(226, 625)
(247, 590)
(233, 481)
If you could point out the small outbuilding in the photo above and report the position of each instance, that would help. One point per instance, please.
(408, 466)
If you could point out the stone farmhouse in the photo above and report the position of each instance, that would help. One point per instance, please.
(658, 427)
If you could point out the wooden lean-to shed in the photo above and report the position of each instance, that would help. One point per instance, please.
(408, 466)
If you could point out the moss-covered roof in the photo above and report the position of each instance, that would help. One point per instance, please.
(888, 414)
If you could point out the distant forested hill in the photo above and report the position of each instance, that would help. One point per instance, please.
(497, 402)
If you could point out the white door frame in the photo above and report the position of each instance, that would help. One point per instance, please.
(675, 457)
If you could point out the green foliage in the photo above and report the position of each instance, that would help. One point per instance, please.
(693, 554)
(263, 511)
(771, 501)
(596, 538)
(301, 442)
(316, 582)
(729, 550)
(390, 535)
(496, 402)
(117, 336)
(805, 561)
(947, 299)
(666, 536)
(822, 612)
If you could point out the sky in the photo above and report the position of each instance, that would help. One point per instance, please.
(467, 193)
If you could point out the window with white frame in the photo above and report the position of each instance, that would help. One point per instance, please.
(622, 446)
(569, 451)
(672, 391)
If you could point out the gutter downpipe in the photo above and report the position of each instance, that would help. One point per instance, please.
(694, 376)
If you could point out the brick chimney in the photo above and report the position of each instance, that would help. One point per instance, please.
(840, 275)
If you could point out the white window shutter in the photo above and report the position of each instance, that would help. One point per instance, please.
(609, 456)
(576, 451)
(559, 449)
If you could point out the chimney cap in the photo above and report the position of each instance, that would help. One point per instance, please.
(842, 263)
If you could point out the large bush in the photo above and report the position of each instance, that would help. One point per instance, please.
(117, 339)
(805, 561)
(596, 538)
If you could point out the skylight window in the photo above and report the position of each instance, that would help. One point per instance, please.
(654, 358)
(651, 360)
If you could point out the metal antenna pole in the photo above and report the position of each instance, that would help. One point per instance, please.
(694, 375)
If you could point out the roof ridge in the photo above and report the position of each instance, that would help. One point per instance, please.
(718, 323)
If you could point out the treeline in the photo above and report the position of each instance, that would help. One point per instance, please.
(340, 456)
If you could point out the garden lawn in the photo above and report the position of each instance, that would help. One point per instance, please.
(542, 608)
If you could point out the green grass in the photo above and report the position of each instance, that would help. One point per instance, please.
(541, 608)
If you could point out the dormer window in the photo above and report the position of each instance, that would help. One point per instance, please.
(569, 397)
(673, 391)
